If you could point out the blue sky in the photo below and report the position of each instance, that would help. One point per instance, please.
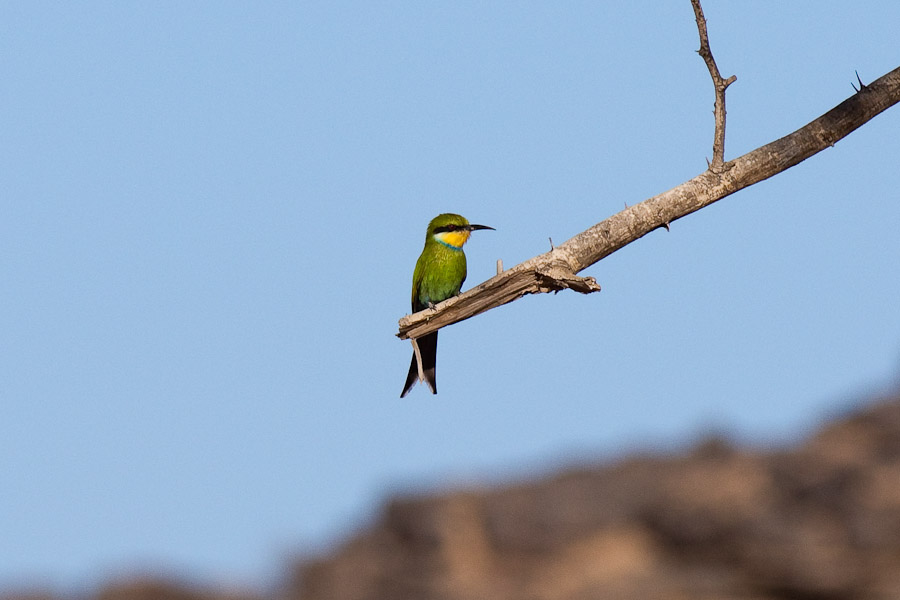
(211, 212)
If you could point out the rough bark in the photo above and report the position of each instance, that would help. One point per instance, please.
(719, 83)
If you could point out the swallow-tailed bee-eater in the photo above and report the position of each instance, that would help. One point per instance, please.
(439, 274)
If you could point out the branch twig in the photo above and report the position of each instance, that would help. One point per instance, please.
(720, 85)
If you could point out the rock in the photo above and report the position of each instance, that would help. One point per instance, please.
(819, 521)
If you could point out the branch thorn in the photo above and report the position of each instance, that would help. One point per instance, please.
(862, 86)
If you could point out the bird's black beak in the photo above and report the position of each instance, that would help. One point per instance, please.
(475, 227)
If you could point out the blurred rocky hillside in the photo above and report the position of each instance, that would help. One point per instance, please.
(819, 521)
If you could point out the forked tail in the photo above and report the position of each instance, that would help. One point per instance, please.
(428, 351)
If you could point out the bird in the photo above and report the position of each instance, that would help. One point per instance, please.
(439, 274)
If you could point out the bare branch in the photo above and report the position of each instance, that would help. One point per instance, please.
(548, 272)
(720, 85)
(557, 269)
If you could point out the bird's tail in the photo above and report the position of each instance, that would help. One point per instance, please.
(428, 351)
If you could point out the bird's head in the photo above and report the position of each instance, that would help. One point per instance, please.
(452, 230)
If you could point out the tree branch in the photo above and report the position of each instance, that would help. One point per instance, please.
(556, 270)
(719, 83)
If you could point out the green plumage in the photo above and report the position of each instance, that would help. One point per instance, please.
(439, 274)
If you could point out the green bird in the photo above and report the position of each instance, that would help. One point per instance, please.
(440, 273)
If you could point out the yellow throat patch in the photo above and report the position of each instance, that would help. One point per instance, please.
(453, 238)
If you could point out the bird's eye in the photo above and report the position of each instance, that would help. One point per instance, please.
(451, 227)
